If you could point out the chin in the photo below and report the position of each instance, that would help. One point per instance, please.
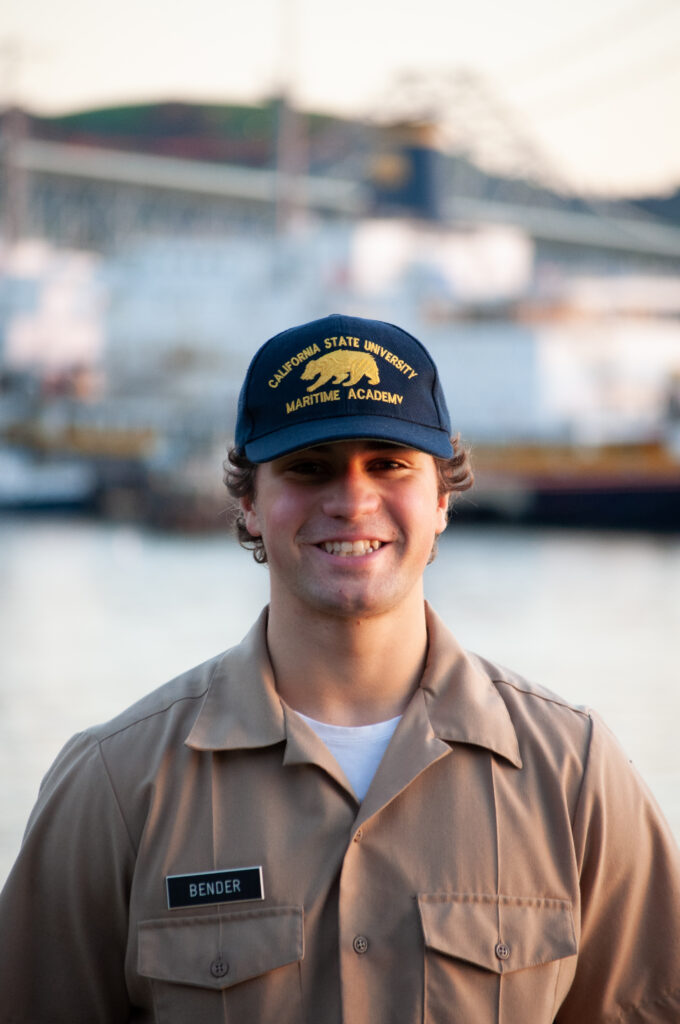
(346, 605)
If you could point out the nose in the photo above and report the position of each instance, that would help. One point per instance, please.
(350, 494)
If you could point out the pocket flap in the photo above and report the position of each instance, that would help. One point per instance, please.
(499, 933)
(220, 950)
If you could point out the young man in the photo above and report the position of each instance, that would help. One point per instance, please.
(346, 818)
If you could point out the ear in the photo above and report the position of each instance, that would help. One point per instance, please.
(250, 517)
(442, 513)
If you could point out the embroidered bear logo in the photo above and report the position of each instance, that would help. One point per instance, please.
(346, 368)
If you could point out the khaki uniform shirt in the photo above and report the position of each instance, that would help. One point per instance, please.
(507, 865)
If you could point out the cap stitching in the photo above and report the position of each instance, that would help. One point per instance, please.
(323, 419)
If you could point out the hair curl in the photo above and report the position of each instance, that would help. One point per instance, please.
(240, 477)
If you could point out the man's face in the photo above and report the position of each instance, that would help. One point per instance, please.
(348, 527)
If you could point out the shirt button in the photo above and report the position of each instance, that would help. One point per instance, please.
(358, 835)
(360, 944)
(219, 967)
(502, 951)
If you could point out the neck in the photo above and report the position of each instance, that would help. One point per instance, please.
(348, 671)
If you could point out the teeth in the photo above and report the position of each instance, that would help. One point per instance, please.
(350, 548)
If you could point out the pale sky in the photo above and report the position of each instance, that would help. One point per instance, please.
(594, 86)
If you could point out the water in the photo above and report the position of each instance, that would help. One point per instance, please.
(93, 615)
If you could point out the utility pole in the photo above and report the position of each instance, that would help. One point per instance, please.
(13, 131)
(290, 135)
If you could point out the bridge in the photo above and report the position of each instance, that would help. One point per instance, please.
(96, 197)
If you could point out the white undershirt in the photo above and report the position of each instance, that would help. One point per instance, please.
(358, 749)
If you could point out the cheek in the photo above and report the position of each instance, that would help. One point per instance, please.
(280, 516)
(425, 517)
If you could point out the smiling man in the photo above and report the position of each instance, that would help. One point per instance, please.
(346, 819)
(348, 529)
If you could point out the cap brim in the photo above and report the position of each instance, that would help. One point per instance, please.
(344, 428)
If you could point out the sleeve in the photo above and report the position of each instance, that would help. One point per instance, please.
(64, 908)
(629, 952)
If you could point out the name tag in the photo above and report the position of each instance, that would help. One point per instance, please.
(237, 884)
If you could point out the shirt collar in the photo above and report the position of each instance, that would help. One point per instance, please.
(463, 704)
(243, 710)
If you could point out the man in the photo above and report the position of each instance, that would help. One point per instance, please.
(346, 818)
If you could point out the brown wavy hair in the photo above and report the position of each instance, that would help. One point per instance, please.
(240, 477)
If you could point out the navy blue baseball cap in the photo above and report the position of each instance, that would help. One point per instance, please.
(339, 378)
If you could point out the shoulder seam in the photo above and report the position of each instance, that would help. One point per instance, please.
(584, 774)
(158, 711)
(105, 767)
(145, 718)
(546, 698)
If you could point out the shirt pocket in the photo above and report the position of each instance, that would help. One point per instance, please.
(493, 958)
(225, 967)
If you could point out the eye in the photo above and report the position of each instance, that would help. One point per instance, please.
(386, 465)
(306, 468)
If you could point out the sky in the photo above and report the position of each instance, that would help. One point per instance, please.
(588, 92)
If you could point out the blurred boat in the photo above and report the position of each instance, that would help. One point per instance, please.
(624, 486)
(28, 483)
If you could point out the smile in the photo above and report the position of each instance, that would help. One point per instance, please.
(350, 548)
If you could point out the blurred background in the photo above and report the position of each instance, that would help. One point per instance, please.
(176, 186)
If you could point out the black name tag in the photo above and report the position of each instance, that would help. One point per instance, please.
(214, 887)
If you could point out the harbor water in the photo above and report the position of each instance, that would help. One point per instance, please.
(93, 615)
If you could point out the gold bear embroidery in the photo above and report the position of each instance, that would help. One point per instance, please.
(346, 368)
